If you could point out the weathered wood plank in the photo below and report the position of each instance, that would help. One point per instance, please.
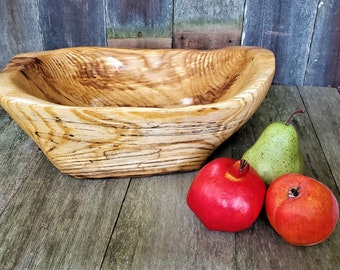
(156, 230)
(149, 43)
(141, 24)
(148, 213)
(267, 250)
(58, 222)
(72, 23)
(4, 120)
(280, 103)
(323, 108)
(207, 24)
(19, 158)
(206, 39)
(54, 221)
(286, 28)
(324, 61)
(304, 35)
(20, 30)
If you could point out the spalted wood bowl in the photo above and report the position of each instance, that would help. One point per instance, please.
(103, 112)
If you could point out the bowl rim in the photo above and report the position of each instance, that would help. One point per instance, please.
(10, 92)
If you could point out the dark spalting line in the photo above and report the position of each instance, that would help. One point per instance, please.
(148, 164)
(66, 137)
(88, 70)
(212, 95)
(26, 65)
(47, 97)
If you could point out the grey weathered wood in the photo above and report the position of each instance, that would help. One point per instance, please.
(20, 29)
(267, 250)
(144, 23)
(326, 122)
(156, 230)
(304, 35)
(72, 23)
(5, 120)
(324, 61)
(279, 104)
(53, 221)
(286, 28)
(19, 158)
(207, 24)
(58, 222)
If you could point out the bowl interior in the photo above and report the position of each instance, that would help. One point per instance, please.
(93, 76)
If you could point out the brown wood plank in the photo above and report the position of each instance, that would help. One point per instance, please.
(20, 29)
(323, 109)
(206, 39)
(156, 230)
(260, 247)
(56, 221)
(148, 43)
(207, 24)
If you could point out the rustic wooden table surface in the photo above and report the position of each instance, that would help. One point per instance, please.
(52, 221)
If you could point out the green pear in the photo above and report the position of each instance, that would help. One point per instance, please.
(276, 151)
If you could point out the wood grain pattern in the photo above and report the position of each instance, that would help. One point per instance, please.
(139, 24)
(287, 30)
(304, 35)
(280, 102)
(61, 214)
(133, 112)
(177, 233)
(323, 67)
(207, 24)
(4, 120)
(72, 23)
(142, 240)
(20, 28)
(141, 43)
(326, 121)
(206, 39)
(54, 221)
(19, 158)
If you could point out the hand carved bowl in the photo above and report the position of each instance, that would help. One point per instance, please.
(100, 112)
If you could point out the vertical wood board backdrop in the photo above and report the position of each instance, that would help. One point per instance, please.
(304, 35)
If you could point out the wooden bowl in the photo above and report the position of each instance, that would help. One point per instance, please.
(103, 112)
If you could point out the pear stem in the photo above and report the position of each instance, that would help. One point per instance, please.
(289, 120)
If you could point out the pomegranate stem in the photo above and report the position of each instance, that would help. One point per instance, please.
(243, 164)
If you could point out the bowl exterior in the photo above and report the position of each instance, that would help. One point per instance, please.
(98, 142)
